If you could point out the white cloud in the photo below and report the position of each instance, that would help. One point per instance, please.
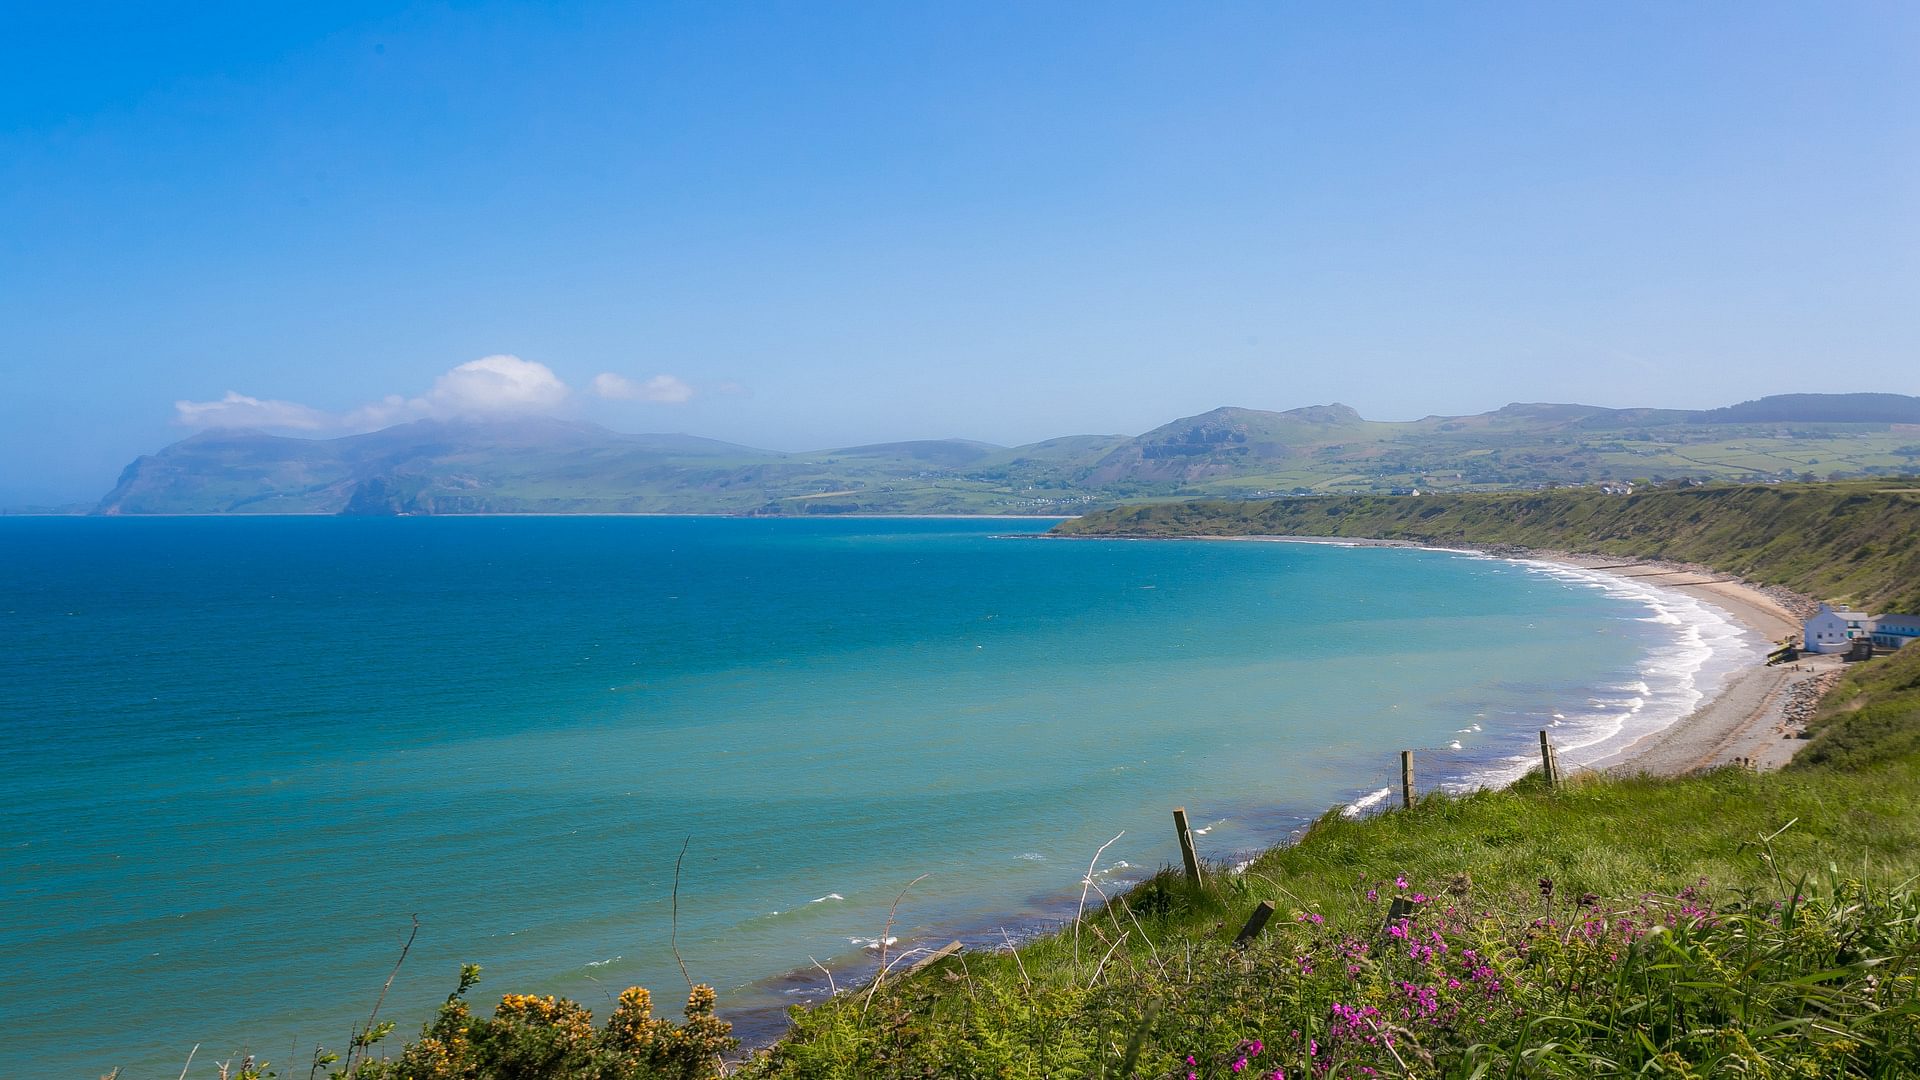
(237, 410)
(662, 389)
(388, 411)
(495, 384)
(491, 385)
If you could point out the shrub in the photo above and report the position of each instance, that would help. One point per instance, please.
(535, 1038)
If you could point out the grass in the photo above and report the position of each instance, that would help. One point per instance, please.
(1869, 717)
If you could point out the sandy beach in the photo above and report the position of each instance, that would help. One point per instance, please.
(1758, 713)
(1759, 710)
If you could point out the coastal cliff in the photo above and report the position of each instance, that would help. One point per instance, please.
(1857, 541)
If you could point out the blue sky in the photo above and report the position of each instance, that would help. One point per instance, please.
(811, 224)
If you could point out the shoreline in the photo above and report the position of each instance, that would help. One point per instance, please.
(1756, 713)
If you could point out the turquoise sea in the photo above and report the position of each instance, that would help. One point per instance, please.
(238, 756)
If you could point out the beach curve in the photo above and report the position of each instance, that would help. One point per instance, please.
(1757, 712)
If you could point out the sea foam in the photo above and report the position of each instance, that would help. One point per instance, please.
(1675, 676)
(1365, 802)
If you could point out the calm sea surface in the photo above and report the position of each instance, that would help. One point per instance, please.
(238, 756)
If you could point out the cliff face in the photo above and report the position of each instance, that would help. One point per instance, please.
(235, 472)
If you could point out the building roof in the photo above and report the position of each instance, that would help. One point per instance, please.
(1849, 616)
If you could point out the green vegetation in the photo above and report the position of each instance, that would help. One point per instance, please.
(1872, 717)
(534, 1038)
(1853, 540)
(531, 1036)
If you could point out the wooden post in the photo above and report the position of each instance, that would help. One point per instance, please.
(933, 958)
(1255, 923)
(1547, 765)
(1401, 908)
(1406, 779)
(1187, 855)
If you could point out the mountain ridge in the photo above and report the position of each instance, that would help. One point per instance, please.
(551, 465)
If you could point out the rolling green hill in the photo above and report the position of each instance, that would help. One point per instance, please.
(554, 466)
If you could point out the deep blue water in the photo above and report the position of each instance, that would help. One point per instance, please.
(238, 755)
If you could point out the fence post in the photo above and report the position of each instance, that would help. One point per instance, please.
(1406, 779)
(1401, 908)
(1255, 923)
(1548, 766)
(1187, 855)
(934, 957)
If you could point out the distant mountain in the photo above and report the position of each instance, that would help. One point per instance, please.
(1817, 409)
(424, 467)
(529, 466)
(1226, 442)
(945, 453)
(557, 466)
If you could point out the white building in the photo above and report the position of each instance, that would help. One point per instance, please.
(1894, 631)
(1829, 631)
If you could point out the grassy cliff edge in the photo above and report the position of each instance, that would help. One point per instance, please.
(1856, 540)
